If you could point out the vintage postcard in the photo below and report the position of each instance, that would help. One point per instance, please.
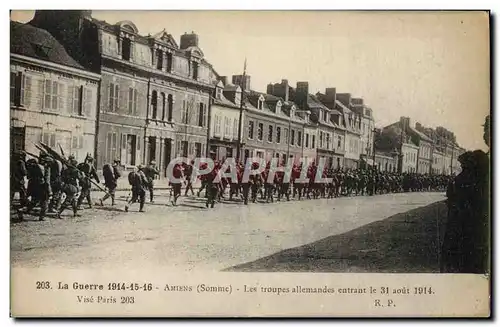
(250, 163)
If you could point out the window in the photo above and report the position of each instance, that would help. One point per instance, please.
(20, 89)
(197, 150)
(270, 134)
(339, 143)
(286, 135)
(126, 48)
(217, 125)
(114, 91)
(163, 106)
(278, 135)
(195, 70)
(13, 78)
(292, 137)
(154, 105)
(49, 139)
(170, 100)
(235, 128)
(307, 141)
(132, 101)
(250, 129)
(299, 138)
(184, 112)
(328, 141)
(77, 143)
(159, 59)
(75, 100)
(201, 115)
(52, 95)
(260, 131)
(313, 141)
(321, 139)
(260, 104)
(168, 57)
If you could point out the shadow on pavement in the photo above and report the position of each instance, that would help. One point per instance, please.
(407, 242)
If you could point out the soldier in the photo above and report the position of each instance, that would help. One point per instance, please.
(111, 175)
(151, 172)
(56, 167)
(87, 167)
(39, 184)
(177, 184)
(188, 173)
(212, 186)
(18, 174)
(71, 179)
(139, 183)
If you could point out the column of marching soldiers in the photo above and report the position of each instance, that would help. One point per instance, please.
(56, 183)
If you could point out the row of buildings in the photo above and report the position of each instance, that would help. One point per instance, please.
(84, 85)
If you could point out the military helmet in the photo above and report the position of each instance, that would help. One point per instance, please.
(152, 162)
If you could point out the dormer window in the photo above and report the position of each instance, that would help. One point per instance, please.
(126, 48)
(292, 112)
(218, 93)
(278, 107)
(195, 70)
(159, 59)
(169, 60)
(260, 103)
(325, 115)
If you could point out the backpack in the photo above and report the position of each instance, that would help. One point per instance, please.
(132, 177)
(107, 172)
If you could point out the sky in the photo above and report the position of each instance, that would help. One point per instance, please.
(430, 66)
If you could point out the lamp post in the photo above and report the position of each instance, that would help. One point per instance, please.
(240, 120)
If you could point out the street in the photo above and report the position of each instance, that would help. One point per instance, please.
(191, 237)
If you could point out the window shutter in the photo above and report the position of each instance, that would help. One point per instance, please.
(87, 96)
(135, 101)
(205, 116)
(52, 140)
(70, 102)
(26, 91)
(130, 101)
(111, 91)
(80, 141)
(138, 143)
(18, 88)
(123, 152)
(177, 148)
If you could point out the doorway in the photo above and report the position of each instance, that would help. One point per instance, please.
(166, 155)
(17, 138)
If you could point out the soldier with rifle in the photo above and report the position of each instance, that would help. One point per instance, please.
(139, 183)
(39, 184)
(111, 174)
(71, 179)
(151, 172)
(17, 176)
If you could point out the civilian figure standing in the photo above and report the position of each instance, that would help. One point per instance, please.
(466, 245)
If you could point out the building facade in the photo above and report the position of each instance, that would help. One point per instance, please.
(224, 121)
(387, 162)
(367, 129)
(155, 94)
(352, 121)
(53, 99)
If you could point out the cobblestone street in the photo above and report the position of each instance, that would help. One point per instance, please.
(191, 237)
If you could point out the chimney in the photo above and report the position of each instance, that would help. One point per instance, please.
(418, 126)
(345, 98)
(286, 86)
(405, 122)
(223, 79)
(189, 40)
(301, 93)
(270, 89)
(357, 101)
(331, 94)
(242, 81)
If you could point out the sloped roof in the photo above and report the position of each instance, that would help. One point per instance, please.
(421, 135)
(30, 41)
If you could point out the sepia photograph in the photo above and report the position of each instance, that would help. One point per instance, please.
(319, 145)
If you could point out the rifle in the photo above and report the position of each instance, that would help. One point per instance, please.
(31, 154)
(57, 156)
(62, 151)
